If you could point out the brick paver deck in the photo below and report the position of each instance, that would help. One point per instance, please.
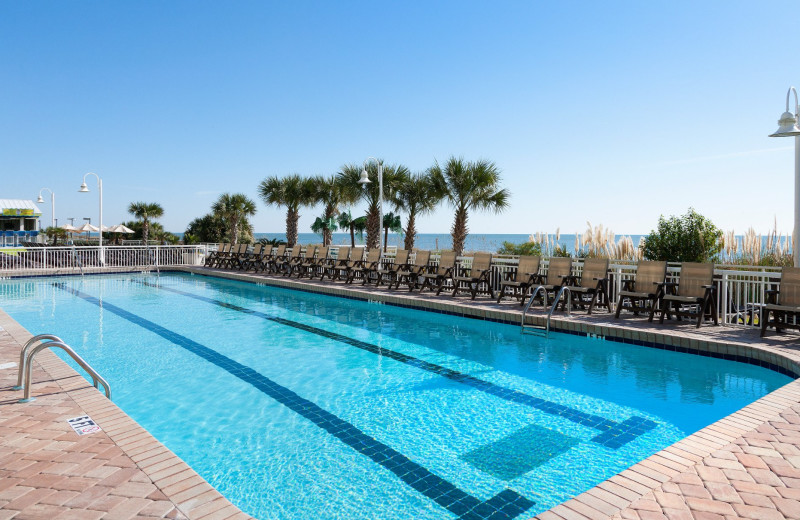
(746, 465)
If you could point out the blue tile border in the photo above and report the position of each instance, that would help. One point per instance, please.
(506, 505)
(614, 435)
(617, 339)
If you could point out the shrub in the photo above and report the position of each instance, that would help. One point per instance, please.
(525, 248)
(688, 238)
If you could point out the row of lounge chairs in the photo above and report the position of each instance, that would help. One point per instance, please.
(693, 295)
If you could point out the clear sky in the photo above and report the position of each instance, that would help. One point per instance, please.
(612, 112)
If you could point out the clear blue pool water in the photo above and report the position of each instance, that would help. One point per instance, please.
(297, 405)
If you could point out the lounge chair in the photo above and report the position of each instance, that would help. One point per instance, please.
(695, 289)
(365, 267)
(283, 265)
(311, 264)
(391, 271)
(409, 272)
(346, 265)
(238, 252)
(559, 272)
(251, 258)
(220, 256)
(783, 303)
(295, 264)
(479, 272)
(592, 284)
(213, 255)
(260, 262)
(440, 274)
(520, 282)
(278, 257)
(342, 255)
(644, 291)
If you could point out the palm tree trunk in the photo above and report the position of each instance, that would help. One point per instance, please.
(292, 216)
(385, 238)
(352, 235)
(410, 231)
(373, 228)
(327, 233)
(145, 230)
(235, 231)
(460, 231)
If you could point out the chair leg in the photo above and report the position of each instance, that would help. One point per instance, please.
(502, 292)
(764, 322)
(591, 304)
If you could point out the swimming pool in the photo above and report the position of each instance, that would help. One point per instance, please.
(298, 405)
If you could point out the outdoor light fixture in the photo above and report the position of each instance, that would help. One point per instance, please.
(363, 181)
(85, 189)
(787, 127)
(40, 200)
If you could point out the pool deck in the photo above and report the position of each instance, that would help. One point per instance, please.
(746, 465)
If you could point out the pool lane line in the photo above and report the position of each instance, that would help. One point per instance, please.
(614, 434)
(505, 505)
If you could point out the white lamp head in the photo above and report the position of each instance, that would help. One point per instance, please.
(40, 199)
(787, 126)
(364, 180)
(84, 188)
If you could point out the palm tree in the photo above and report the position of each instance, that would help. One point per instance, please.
(345, 221)
(466, 186)
(324, 227)
(360, 225)
(144, 211)
(417, 196)
(331, 192)
(291, 191)
(391, 222)
(393, 177)
(235, 210)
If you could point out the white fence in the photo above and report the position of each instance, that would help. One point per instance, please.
(75, 259)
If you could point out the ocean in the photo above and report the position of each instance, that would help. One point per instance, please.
(433, 241)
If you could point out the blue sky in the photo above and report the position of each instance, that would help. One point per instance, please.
(611, 112)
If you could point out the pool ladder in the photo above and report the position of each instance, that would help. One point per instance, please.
(50, 341)
(536, 329)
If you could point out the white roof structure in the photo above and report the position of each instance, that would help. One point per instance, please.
(18, 208)
(17, 204)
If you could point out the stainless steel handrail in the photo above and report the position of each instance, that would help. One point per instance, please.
(83, 364)
(530, 302)
(23, 355)
(555, 304)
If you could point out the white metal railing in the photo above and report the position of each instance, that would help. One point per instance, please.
(76, 259)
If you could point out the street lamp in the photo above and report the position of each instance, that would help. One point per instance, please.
(40, 200)
(364, 180)
(85, 189)
(788, 128)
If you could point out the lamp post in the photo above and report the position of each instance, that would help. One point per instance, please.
(85, 189)
(40, 200)
(364, 180)
(788, 128)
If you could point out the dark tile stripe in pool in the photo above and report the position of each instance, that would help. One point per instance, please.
(614, 435)
(507, 504)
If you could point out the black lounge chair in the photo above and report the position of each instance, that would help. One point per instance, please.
(643, 292)
(695, 289)
(365, 267)
(440, 274)
(390, 273)
(311, 264)
(559, 272)
(520, 282)
(410, 272)
(479, 273)
(592, 285)
(212, 256)
(346, 265)
(783, 303)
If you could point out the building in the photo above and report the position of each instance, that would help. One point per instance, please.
(18, 215)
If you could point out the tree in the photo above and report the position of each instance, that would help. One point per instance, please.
(330, 192)
(291, 191)
(391, 222)
(345, 221)
(208, 228)
(469, 186)
(688, 238)
(360, 226)
(324, 227)
(55, 233)
(144, 211)
(393, 177)
(417, 196)
(235, 209)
